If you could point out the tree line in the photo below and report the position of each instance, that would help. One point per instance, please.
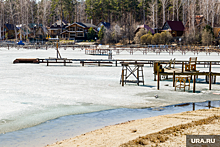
(125, 13)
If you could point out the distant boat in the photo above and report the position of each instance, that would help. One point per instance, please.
(20, 43)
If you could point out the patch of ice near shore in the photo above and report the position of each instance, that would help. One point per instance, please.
(34, 93)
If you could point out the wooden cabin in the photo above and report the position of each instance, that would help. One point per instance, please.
(57, 28)
(176, 28)
(77, 31)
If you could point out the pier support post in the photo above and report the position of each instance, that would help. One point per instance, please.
(194, 83)
(174, 77)
(209, 104)
(193, 106)
(182, 66)
(116, 63)
(122, 77)
(210, 76)
(158, 80)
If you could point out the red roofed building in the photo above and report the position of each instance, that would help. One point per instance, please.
(176, 28)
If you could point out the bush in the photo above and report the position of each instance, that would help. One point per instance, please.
(91, 34)
(165, 37)
(149, 38)
(207, 37)
(156, 39)
(144, 39)
(138, 35)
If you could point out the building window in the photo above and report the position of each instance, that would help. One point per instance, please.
(72, 28)
(80, 35)
(79, 29)
(72, 35)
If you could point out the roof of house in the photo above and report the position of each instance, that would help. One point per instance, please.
(58, 23)
(146, 27)
(106, 24)
(10, 26)
(176, 25)
(86, 25)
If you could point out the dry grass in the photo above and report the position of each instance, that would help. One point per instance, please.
(163, 135)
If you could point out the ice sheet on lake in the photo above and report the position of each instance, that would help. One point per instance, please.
(34, 93)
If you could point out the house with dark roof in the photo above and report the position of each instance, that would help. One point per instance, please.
(77, 31)
(145, 27)
(9, 29)
(105, 24)
(57, 28)
(176, 28)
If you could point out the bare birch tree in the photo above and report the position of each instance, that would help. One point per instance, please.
(178, 4)
(152, 6)
(164, 4)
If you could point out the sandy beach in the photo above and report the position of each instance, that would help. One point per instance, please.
(137, 132)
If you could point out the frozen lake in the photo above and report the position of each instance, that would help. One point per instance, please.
(32, 94)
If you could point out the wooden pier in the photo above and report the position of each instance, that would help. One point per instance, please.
(136, 71)
(131, 49)
(180, 74)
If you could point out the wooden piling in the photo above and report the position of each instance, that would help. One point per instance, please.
(193, 106)
(194, 83)
(158, 80)
(210, 76)
(138, 75)
(209, 104)
(122, 77)
(182, 66)
(174, 78)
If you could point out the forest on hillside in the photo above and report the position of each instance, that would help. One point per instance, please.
(151, 12)
(125, 13)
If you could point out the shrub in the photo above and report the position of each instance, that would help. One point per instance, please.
(156, 38)
(91, 34)
(165, 37)
(149, 38)
(138, 35)
(206, 37)
(101, 33)
(144, 39)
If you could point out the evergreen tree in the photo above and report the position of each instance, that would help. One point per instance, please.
(91, 34)
(101, 33)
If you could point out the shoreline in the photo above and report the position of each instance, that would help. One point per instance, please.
(116, 135)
